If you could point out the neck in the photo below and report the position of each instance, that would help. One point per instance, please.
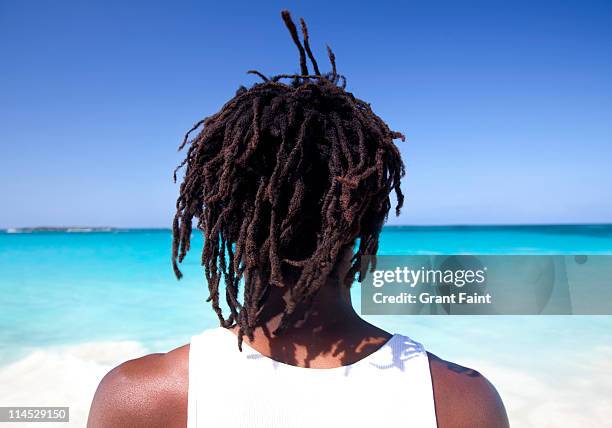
(332, 334)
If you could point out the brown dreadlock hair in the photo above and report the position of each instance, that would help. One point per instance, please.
(281, 180)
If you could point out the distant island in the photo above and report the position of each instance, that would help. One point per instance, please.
(75, 229)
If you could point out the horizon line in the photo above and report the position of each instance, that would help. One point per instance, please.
(118, 228)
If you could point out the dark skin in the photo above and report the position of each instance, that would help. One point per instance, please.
(152, 391)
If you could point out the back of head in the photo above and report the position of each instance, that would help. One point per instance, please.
(281, 180)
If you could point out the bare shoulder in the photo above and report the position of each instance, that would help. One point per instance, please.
(464, 397)
(149, 391)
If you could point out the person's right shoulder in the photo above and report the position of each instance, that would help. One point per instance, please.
(146, 392)
(465, 398)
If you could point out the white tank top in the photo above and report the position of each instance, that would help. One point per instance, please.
(228, 388)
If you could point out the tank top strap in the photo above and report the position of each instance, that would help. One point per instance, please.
(204, 351)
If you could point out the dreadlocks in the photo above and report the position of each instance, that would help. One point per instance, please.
(282, 180)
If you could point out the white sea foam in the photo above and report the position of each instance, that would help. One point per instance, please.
(63, 376)
(578, 396)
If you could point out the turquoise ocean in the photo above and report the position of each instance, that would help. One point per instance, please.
(72, 305)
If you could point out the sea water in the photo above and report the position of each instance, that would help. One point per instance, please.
(72, 305)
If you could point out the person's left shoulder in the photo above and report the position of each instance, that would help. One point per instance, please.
(149, 391)
(465, 398)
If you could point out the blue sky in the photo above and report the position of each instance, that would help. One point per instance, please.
(507, 106)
